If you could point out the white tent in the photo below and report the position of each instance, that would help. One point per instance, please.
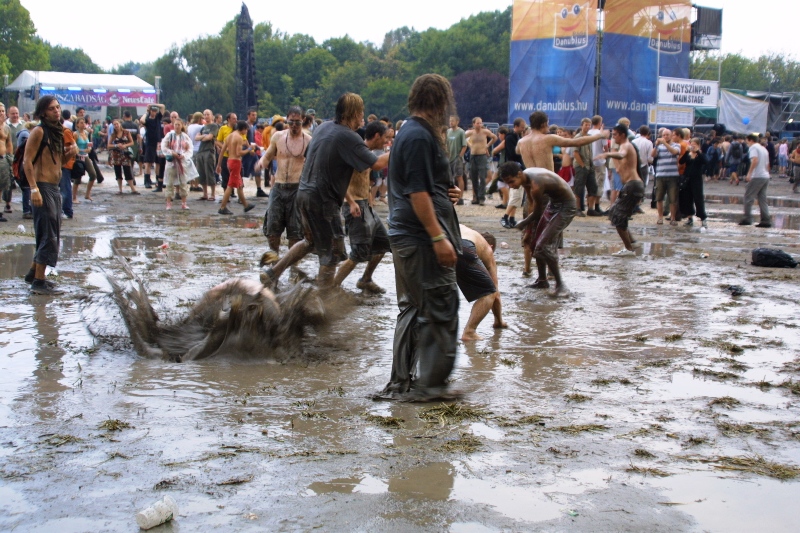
(742, 114)
(94, 92)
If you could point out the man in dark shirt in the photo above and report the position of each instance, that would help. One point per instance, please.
(152, 138)
(334, 152)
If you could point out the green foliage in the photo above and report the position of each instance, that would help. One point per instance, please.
(775, 73)
(64, 59)
(19, 45)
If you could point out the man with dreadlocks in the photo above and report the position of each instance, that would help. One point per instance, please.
(335, 151)
(425, 241)
(44, 154)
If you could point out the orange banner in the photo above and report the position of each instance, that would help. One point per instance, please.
(567, 22)
(658, 20)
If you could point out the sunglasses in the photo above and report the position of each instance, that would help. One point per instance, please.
(294, 122)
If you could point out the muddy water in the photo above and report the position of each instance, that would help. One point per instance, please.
(641, 348)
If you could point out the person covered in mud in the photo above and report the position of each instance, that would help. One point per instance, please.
(632, 187)
(336, 150)
(553, 217)
(368, 238)
(44, 154)
(289, 148)
(425, 241)
(476, 275)
(235, 146)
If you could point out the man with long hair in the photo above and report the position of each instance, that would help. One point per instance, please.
(425, 241)
(44, 154)
(335, 151)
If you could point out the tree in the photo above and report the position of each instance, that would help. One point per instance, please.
(63, 59)
(481, 94)
(19, 45)
(387, 97)
(309, 68)
(344, 49)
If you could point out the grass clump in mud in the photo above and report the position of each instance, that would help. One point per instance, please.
(115, 425)
(723, 346)
(753, 464)
(577, 397)
(644, 454)
(453, 413)
(792, 367)
(465, 443)
(57, 440)
(575, 429)
(695, 441)
(791, 385)
(715, 374)
(640, 338)
(526, 420)
(602, 382)
(389, 422)
(674, 337)
(647, 471)
(731, 429)
(507, 362)
(728, 402)
(658, 363)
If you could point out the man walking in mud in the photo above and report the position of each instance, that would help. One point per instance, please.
(368, 238)
(551, 217)
(289, 148)
(479, 140)
(236, 147)
(44, 154)
(632, 187)
(336, 150)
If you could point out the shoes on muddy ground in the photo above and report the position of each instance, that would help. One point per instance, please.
(43, 287)
(27, 216)
(764, 225)
(705, 224)
(249, 208)
(504, 222)
(624, 253)
(689, 222)
(225, 211)
(593, 213)
(370, 286)
(745, 222)
(500, 206)
(260, 193)
(581, 213)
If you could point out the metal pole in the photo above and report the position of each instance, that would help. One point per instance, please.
(658, 75)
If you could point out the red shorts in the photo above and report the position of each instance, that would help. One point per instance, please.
(235, 171)
(565, 173)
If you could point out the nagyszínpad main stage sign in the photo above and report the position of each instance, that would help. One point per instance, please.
(683, 92)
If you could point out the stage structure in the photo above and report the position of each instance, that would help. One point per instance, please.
(575, 58)
(245, 97)
(553, 60)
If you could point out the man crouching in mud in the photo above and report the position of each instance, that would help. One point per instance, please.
(553, 217)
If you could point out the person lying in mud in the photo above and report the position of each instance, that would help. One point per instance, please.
(237, 317)
(476, 275)
(554, 216)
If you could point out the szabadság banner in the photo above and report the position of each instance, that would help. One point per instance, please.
(643, 39)
(553, 58)
(91, 98)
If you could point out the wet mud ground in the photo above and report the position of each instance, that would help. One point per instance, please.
(651, 399)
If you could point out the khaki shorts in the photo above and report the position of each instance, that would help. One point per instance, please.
(668, 186)
(600, 178)
(457, 167)
(515, 197)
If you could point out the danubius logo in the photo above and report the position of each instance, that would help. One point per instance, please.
(666, 31)
(572, 28)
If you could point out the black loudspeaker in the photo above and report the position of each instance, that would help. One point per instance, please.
(719, 128)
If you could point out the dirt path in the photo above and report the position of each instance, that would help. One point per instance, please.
(651, 399)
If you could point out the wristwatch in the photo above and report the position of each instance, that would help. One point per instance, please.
(34, 190)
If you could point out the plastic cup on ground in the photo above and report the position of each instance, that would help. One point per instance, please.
(158, 513)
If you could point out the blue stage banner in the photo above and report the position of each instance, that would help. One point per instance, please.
(643, 39)
(553, 59)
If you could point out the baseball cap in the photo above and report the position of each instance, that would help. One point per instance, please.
(311, 112)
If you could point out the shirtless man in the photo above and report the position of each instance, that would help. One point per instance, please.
(536, 149)
(6, 158)
(235, 146)
(553, 217)
(632, 187)
(44, 153)
(289, 147)
(369, 240)
(476, 275)
(479, 140)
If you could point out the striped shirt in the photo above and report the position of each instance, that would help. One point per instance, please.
(667, 162)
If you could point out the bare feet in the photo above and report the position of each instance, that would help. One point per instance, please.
(500, 325)
(540, 284)
(470, 335)
(526, 273)
(560, 292)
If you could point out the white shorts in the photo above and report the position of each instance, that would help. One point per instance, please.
(515, 197)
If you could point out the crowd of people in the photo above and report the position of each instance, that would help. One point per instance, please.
(324, 180)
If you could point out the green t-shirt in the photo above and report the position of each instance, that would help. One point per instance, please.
(456, 140)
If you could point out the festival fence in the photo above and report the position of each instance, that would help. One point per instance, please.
(553, 60)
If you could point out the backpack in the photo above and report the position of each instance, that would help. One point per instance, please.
(18, 166)
(736, 151)
(767, 257)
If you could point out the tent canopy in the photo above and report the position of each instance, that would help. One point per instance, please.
(64, 80)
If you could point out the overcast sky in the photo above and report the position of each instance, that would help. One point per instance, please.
(114, 34)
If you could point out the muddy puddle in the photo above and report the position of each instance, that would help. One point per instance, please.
(651, 399)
